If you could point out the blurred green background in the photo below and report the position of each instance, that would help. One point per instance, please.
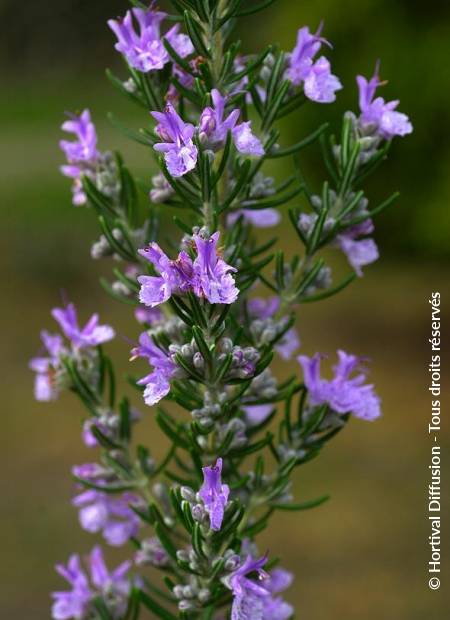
(364, 554)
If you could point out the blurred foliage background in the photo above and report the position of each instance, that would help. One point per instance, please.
(365, 553)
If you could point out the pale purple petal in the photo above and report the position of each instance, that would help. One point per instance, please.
(260, 218)
(288, 344)
(358, 253)
(245, 141)
(375, 111)
(256, 414)
(343, 394)
(320, 84)
(213, 278)
(214, 494)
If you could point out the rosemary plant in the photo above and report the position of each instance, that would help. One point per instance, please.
(215, 306)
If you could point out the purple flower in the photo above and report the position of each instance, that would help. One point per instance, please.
(359, 252)
(212, 275)
(245, 141)
(148, 315)
(207, 276)
(275, 608)
(180, 153)
(260, 218)
(175, 276)
(387, 120)
(157, 383)
(81, 153)
(76, 603)
(263, 307)
(111, 515)
(212, 123)
(45, 387)
(213, 127)
(319, 83)
(144, 49)
(214, 494)
(342, 394)
(255, 597)
(249, 595)
(91, 335)
(288, 344)
(256, 414)
(184, 78)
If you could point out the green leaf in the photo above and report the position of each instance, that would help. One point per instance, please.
(136, 136)
(159, 611)
(275, 105)
(195, 34)
(298, 146)
(172, 433)
(125, 420)
(165, 541)
(117, 83)
(304, 505)
(329, 292)
(255, 9)
(245, 169)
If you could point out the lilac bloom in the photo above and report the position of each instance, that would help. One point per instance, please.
(45, 368)
(91, 472)
(74, 603)
(144, 49)
(260, 218)
(175, 276)
(383, 115)
(113, 586)
(245, 141)
(319, 83)
(214, 127)
(249, 595)
(208, 276)
(288, 344)
(148, 315)
(214, 494)
(184, 78)
(263, 307)
(342, 393)
(359, 252)
(180, 153)
(81, 153)
(256, 414)
(275, 608)
(87, 435)
(91, 335)
(157, 383)
(212, 275)
(111, 515)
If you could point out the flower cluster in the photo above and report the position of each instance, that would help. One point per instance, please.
(319, 84)
(342, 394)
(50, 370)
(180, 152)
(211, 312)
(207, 276)
(78, 602)
(144, 48)
(82, 154)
